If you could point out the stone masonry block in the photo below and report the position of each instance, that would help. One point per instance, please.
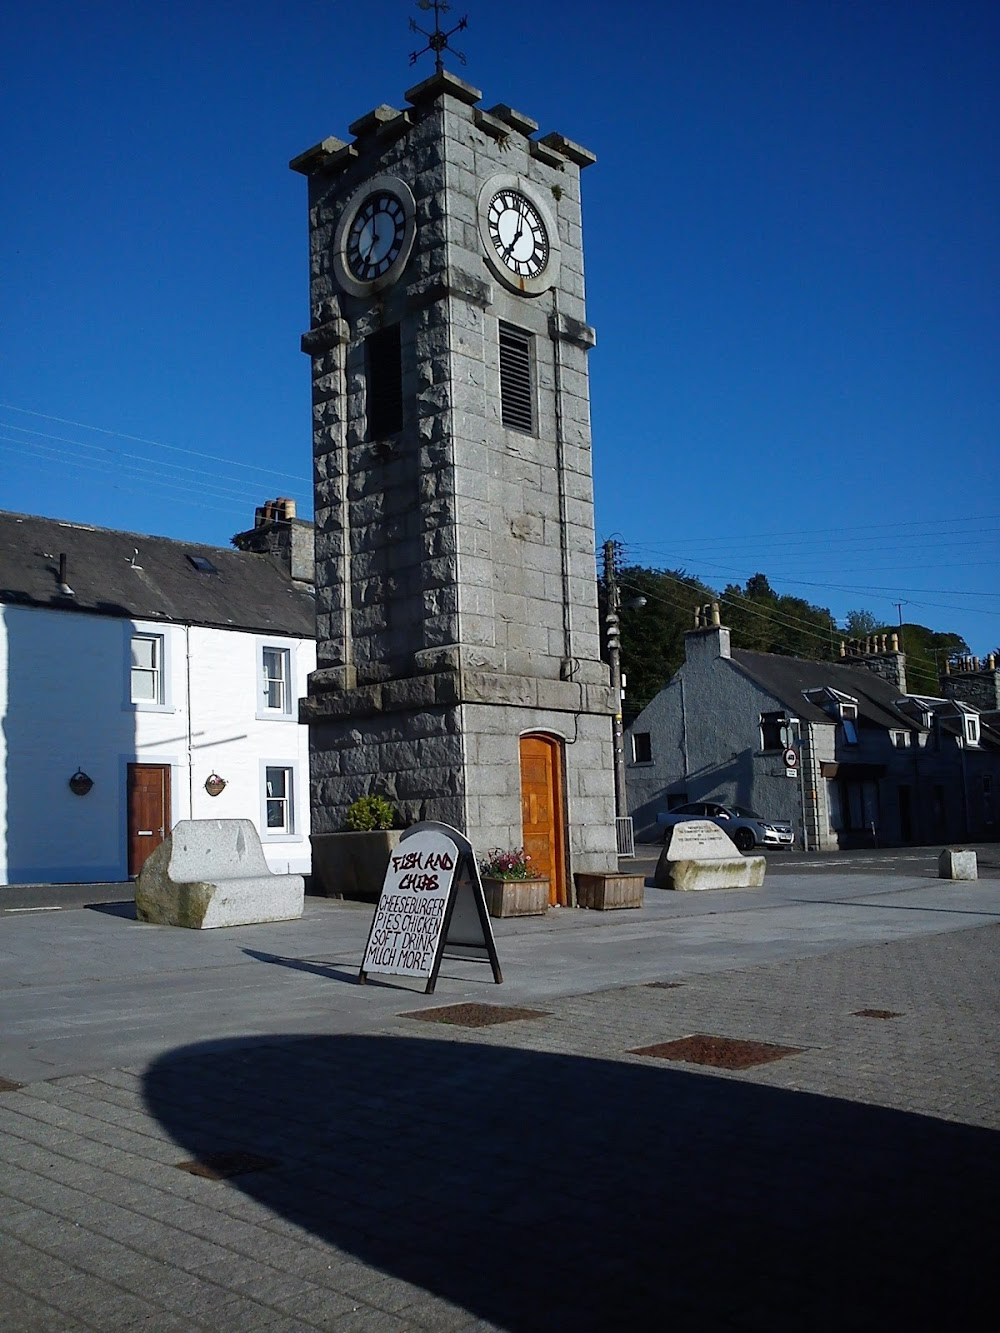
(958, 863)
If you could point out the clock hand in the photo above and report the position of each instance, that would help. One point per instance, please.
(517, 236)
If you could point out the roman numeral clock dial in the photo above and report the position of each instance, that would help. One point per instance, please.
(518, 233)
(374, 237)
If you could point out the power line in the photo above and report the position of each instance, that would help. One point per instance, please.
(157, 466)
(141, 484)
(813, 532)
(771, 617)
(158, 444)
(783, 620)
(147, 478)
(864, 590)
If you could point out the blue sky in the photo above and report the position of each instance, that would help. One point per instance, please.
(792, 260)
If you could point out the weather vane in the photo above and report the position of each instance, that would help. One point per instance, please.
(437, 41)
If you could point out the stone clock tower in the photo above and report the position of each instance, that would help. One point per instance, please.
(458, 655)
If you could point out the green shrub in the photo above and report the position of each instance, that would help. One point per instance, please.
(368, 813)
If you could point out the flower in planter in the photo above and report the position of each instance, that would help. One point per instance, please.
(508, 865)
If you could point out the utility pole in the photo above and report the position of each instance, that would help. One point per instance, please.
(612, 622)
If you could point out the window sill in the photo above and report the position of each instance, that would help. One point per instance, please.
(148, 708)
(273, 715)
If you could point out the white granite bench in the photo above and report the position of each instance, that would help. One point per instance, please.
(700, 856)
(212, 872)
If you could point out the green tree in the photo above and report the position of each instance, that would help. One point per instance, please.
(768, 622)
(859, 624)
(762, 620)
(652, 636)
(926, 652)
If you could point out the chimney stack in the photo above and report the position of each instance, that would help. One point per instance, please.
(277, 532)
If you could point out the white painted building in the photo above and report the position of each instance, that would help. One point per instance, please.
(154, 669)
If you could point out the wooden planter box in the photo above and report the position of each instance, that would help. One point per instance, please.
(516, 897)
(608, 890)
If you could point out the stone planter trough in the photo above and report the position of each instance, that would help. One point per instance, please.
(352, 865)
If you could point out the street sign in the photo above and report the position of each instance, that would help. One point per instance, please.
(791, 757)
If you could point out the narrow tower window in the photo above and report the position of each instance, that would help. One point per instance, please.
(384, 374)
(516, 397)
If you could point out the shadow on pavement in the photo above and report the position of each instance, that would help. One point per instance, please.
(318, 966)
(124, 910)
(866, 905)
(546, 1191)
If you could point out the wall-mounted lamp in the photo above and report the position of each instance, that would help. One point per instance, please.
(215, 785)
(80, 783)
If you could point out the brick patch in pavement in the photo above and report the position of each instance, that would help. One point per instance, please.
(226, 1165)
(720, 1052)
(474, 1015)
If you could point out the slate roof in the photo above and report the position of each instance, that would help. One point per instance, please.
(787, 677)
(135, 576)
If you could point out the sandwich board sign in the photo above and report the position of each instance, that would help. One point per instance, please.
(431, 907)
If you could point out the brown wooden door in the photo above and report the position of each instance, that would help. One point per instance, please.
(542, 827)
(148, 811)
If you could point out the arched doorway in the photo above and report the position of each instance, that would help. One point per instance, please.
(543, 826)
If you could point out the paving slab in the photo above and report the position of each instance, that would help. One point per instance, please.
(531, 1174)
(86, 989)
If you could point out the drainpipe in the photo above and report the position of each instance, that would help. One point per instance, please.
(190, 732)
(805, 756)
(564, 557)
(810, 789)
(684, 734)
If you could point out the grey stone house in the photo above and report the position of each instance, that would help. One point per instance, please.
(838, 748)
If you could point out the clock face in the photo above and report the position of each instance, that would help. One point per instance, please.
(376, 236)
(518, 233)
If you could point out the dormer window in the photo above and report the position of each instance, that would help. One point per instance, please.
(901, 739)
(849, 722)
(970, 728)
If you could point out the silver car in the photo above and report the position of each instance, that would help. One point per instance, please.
(747, 830)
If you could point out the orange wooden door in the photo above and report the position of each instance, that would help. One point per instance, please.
(148, 811)
(542, 826)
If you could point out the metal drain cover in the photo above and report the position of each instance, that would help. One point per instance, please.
(474, 1015)
(720, 1052)
(225, 1165)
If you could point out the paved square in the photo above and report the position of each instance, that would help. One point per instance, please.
(522, 1175)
